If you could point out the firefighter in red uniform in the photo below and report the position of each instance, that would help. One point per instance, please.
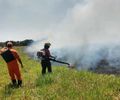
(13, 66)
(45, 62)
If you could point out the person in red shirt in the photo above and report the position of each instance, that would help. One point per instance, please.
(13, 66)
(45, 62)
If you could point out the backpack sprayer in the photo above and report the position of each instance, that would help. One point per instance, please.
(7, 55)
(40, 56)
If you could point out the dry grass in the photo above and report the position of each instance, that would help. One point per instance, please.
(62, 84)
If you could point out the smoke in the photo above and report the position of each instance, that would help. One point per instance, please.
(88, 33)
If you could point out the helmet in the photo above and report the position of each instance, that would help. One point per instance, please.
(47, 44)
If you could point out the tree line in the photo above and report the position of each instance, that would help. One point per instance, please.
(18, 43)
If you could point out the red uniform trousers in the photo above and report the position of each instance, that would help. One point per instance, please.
(13, 69)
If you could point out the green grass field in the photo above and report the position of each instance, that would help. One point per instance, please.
(62, 84)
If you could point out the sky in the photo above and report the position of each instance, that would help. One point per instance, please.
(83, 29)
(80, 20)
(21, 19)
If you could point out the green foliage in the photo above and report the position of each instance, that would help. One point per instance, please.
(62, 84)
(18, 43)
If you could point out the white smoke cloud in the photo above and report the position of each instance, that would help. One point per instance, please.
(94, 21)
(87, 32)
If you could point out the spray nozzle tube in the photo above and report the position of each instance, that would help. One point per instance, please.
(60, 61)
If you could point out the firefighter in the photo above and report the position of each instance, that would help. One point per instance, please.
(13, 66)
(45, 62)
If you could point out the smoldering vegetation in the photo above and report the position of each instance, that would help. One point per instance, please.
(97, 58)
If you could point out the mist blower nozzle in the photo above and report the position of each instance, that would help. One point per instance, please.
(40, 55)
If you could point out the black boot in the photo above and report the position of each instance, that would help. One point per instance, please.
(14, 83)
(19, 83)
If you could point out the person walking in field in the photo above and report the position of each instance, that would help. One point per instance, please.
(12, 58)
(45, 58)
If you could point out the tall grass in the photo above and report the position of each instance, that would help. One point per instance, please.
(62, 84)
